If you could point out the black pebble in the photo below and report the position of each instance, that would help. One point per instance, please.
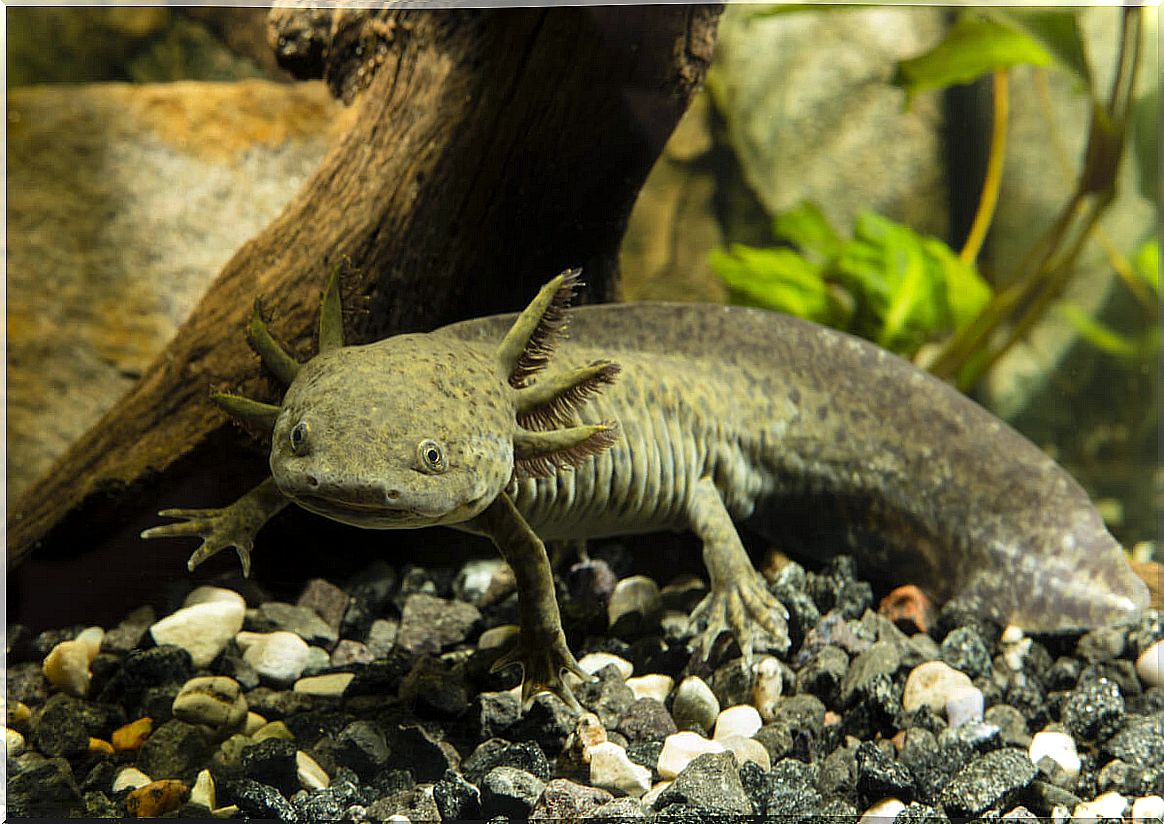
(272, 762)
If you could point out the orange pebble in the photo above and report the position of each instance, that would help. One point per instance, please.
(132, 735)
(156, 799)
(908, 605)
(98, 745)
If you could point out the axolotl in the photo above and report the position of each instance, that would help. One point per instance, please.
(667, 416)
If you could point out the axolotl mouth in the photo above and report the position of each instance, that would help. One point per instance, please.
(380, 515)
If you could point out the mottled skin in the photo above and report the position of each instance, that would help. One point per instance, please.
(725, 414)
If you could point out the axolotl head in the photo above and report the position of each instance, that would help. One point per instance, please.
(403, 433)
(425, 429)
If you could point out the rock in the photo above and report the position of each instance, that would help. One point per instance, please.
(510, 792)
(18, 715)
(40, 787)
(548, 723)
(991, 780)
(273, 729)
(594, 662)
(215, 701)
(436, 688)
(881, 811)
(681, 749)
(964, 650)
(333, 684)
(333, 803)
(1140, 742)
(303, 621)
(747, 749)
(1059, 747)
(1095, 711)
(382, 637)
(495, 712)
(1108, 805)
(930, 684)
(235, 154)
(26, 683)
(1012, 724)
(695, 706)
(710, 783)
(608, 696)
(1147, 809)
(128, 634)
(964, 705)
(156, 799)
(652, 685)
(880, 776)
(203, 630)
(456, 798)
(311, 776)
(13, 743)
(742, 720)
(646, 720)
(279, 657)
(422, 754)
(481, 580)
(148, 675)
(349, 652)
(273, 762)
(258, 800)
(63, 726)
(67, 665)
(130, 737)
(327, 600)
(1150, 665)
(203, 792)
(174, 750)
(634, 606)
(882, 658)
(129, 778)
(611, 769)
(497, 752)
(563, 800)
(823, 675)
(361, 747)
(620, 809)
(429, 624)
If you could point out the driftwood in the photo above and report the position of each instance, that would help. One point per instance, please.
(492, 149)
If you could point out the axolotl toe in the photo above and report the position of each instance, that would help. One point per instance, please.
(657, 416)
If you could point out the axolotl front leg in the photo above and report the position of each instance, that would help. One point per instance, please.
(230, 526)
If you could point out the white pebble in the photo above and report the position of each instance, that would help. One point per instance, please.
(202, 629)
(653, 794)
(214, 700)
(680, 749)
(930, 684)
(203, 791)
(278, 656)
(67, 665)
(13, 742)
(611, 769)
(964, 705)
(1059, 747)
(1109, 805)
(253, 724)
(638, 593)
(498, 637)
(334, 683)
(767, 687)
(1150, 665)
(747, 749)
(130, 778)
(1148, 809)
(742, 720)
(1015, 654)
(652, 685)
(882, 812)
(594, 662)
(311, 775)
(695, 705)
(1012, 634)
(208, 595)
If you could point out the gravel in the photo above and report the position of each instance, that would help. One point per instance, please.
(857, 717)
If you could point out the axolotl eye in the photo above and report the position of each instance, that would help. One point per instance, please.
(431, 456)
(298, 437)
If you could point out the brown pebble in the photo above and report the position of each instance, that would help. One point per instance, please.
(909, 608)
(100, 745)
(131, 736)
(156, 798)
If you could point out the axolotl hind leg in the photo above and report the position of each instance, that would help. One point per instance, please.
(739, 601)
(231, 526)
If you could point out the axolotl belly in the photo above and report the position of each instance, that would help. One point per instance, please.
(821, 440)
(656, 416)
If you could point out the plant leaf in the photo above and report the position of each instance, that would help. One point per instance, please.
(1058, 31)
(1146, 140)
(1147, 263)
(973, 47)
(1099, 335)
(777, 279)
(806, 226)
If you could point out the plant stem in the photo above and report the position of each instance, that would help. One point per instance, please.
(992, 182)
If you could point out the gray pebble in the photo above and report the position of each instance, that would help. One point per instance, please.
(510, 792)
(710, 782)
(989, 781)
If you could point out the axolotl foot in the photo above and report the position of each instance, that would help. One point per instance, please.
(542, 663)
(745, 608)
